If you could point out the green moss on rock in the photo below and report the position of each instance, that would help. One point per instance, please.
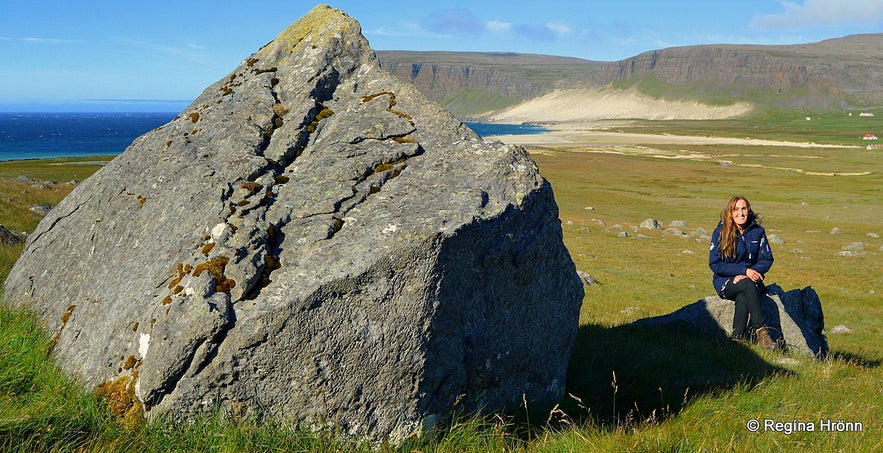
(320, 18)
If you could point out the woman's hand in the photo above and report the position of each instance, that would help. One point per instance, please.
(753, 275)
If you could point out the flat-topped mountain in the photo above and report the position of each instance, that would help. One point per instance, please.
(831, 74)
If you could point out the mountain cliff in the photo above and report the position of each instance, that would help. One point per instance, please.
(471, 82)
(836, 73)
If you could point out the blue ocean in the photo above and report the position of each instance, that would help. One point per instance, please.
(490, 129)
(43, 135)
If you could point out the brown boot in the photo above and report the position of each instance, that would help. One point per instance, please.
(769, 338)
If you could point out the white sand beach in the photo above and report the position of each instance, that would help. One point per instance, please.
(585, 117)
(575, 134)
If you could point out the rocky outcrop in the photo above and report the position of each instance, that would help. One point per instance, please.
(8, 237)
(313, 240)
(797, 314)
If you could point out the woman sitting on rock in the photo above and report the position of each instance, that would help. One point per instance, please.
(740, 255)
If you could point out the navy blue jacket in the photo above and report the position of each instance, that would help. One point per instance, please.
(752, 251)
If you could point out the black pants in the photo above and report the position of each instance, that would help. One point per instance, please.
(746, 294)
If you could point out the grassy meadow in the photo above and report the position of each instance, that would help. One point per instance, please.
(628, 389)
(50, 180)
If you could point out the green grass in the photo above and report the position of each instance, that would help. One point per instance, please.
(696, 394)
(628, 389)
(473, 102)
(716, 92)
(830, 128)
(51, 182)
(58, 169)
(40, 410)
(16, 197)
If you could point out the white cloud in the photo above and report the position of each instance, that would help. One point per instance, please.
(814, 13)
(496, 25)
(459, 23)
(188, 51)
(560, 29)
(404, 30)
(40, 40)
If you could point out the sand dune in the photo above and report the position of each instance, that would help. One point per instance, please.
(588, 117)
(575, 105)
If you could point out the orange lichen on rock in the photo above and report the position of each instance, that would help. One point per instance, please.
(67, 315)
(280, 109)
(252, 187)
(64, 318)
(174, 282)
(215, 267)
(130, 362)
(324, 113)
(387, 166)
(119, 394)
(183, 270)
(392, 97)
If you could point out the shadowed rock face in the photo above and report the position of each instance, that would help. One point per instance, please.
(310, 239)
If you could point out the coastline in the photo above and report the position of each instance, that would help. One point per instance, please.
(78, 135)
(583, 133)
(97, 159)
(75, 160)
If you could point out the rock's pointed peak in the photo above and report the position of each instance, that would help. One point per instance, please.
(320, 22)
(324, 39)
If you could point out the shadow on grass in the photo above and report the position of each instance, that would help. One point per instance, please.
(854, 359)
(625, 374)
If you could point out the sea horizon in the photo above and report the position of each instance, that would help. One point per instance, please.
(47, 135)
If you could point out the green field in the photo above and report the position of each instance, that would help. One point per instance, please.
(628, 389)
(823, 128)
(648, 273)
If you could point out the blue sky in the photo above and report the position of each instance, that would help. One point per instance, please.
(97, 55)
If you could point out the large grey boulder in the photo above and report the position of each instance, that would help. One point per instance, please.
(314, 240)
(797, 314)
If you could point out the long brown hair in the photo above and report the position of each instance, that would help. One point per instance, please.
(729, 231)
